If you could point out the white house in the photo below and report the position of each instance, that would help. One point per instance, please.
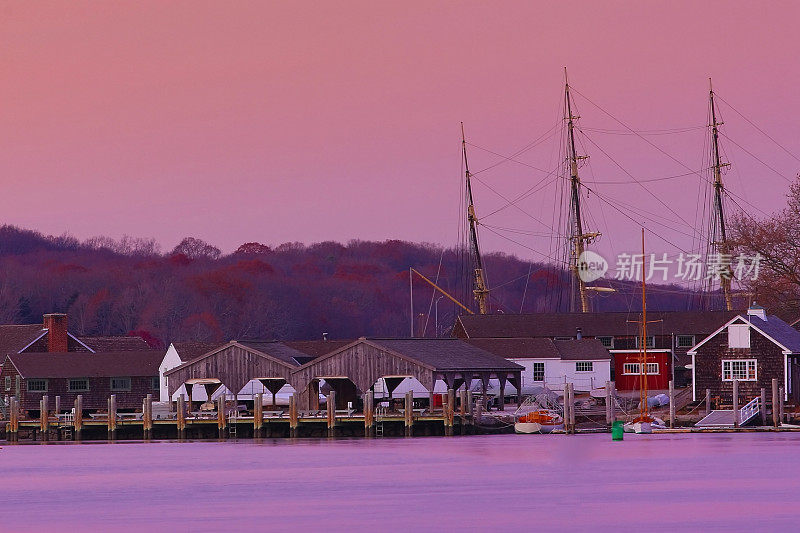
(177, 354)
(585, 363)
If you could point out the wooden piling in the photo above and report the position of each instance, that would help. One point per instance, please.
(57, 407)
(147, 417)
(112, 417)
(708, 401)
(776, 420)
(736, 403)
(781, 417)
(330, 405)
(181, 418)
(671, 404)
(293, 416)
(763, 406)
(571, 403)
(13, 416)
(369, 413)
(43, 418)
(609, 404)
(450, 412)
(78, 417)
(222, 420)
(502, 398)
(431, 395)
(258, 415)
(409, 413)
(462, 400)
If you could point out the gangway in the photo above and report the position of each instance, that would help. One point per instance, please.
(724, 417)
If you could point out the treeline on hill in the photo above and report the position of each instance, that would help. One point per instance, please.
(292, 291)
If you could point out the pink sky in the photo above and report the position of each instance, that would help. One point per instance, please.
(312, 121)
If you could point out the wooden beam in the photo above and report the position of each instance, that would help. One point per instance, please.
(78, 418)
(181, 418)
(409, 413)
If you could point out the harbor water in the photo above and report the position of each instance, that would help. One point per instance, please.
(728, 482)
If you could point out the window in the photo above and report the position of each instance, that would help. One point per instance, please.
(583, 366)
(684, 341)
(8, 382)
(37, 385)
(120, 384)
(650, 342)
(630, 369)
(739, 336)
(78, 384)
(608, 342)
(741, 369)
(154, 384)
(538, 371)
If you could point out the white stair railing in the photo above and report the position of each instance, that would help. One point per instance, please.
(750, 410)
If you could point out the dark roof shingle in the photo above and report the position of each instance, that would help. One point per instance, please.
(85, 364)
(447, 354)
(14, 338)
(116, 344)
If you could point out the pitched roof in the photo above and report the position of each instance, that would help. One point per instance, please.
(116, 344)
(278, 350)
(447, 354)
(544, 348)
(591, 324)
(84, 364)
(14, 338)
(582, 350)
(189, 350)
(779, 331)
(317, 348)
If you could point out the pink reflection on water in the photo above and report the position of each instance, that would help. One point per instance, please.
(474, 483)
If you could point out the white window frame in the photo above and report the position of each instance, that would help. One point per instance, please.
(534, 371)
(155, 383)
(120, 389)
(8, 383)
(71, 389)
(679, 344)
(610, 344)
(649, 345)
(31, 381)
(739, 336)
(588, 366)
(750, 364)
(633, 369)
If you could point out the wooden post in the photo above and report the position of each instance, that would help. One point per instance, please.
(451, 406)
(330, 406)
(502, 398)
(293, 415)
(258, 415)
(147, 417)
(781, 418)
(736, 403)
(763, 406)
(431, 395)
(78, 419)
(13, 414)
(572, 408)
(708, 401)
(609, 404)
(112, 417)
(776, 420)
(222, 422)
(462, 399)
(58, 406)
(181, 418)
(369, 413)
(671, 404)
(43, 417)
(409, 413)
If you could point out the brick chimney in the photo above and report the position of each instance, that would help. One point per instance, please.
(56, 325)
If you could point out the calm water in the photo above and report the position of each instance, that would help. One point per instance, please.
(499, 483)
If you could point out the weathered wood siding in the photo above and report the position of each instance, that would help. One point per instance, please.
(364, 364)
(708, 361)
(234, 366)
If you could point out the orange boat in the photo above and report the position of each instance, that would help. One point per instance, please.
(540, 421)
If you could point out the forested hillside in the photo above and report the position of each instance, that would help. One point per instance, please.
(291, 291)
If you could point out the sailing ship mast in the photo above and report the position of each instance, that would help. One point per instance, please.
(578, 239)
(643, 415)
(480, 289)
(719, 235)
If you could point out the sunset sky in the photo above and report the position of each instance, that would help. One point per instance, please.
(310, 121)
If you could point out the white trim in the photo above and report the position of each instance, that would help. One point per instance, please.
(639, 372)
(749, 323)
(44, 332)
(636, 350)
(79, 342)
(746, 369)
(694, 380)
(785, 377)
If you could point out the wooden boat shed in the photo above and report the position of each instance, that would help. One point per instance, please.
(350, 370)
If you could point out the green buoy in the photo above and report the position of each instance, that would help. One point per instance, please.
(617, 431)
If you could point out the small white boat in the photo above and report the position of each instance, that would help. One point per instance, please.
(644, 426)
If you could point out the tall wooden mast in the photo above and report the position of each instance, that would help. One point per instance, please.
(479, 289)
(578, 239)
(719, 233)
(643, 416)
